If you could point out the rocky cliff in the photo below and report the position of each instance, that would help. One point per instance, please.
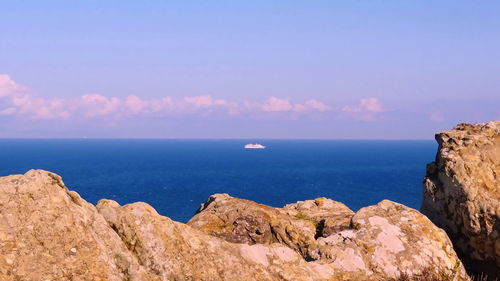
(49, 233)
(462, 193)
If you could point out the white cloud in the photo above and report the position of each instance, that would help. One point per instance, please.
(98, 105)
(165, 104)
(365, 105)
(274, 104)
(200, 101)
(39, 108)
(20, 101)
(135, 104)
(366, 110)
(317, 105)
(7, 86)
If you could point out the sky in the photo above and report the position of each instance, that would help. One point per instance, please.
(247, 69)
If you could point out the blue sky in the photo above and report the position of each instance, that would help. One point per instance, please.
(247, 69)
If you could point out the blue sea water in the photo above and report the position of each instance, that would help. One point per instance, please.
(175, 176)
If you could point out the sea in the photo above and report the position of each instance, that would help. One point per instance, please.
(176, 176)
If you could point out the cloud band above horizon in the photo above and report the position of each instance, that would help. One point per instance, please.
(20, 101)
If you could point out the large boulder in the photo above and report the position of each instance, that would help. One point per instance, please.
(329, 216)
(387, 239)
(49, 233)
(296, 225)
(176, 251)
(462, 193)
(376, 243)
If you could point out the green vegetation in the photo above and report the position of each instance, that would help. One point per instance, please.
(301, 216)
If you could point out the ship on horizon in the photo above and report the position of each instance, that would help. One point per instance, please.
(254, 146)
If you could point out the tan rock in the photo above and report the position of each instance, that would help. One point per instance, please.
(462, 193)
(390, 238)
(296, 225)
(176, 251)
(376, 243)
(49, 233)
(243, 221)
(330, 216)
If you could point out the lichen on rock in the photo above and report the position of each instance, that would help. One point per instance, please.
(49, 233)
(376, 243)
(462, 193)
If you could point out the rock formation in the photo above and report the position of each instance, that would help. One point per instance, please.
(462, 193)
(375, 243)
(242, 221)
(49, 233)
(175, 251)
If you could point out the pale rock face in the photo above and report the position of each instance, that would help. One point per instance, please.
(377, 242)
(175, 251)
(462, 193)
(49, 233)
(242, 221)
(330, 216)
(388, 238)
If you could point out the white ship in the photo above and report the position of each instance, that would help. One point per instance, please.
(254, 146)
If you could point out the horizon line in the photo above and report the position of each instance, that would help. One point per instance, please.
(236, 138)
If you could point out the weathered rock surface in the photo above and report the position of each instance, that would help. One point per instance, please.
(49, 233)
(296, 225)
(176, 251)
(462, 193)
(328, 215)
(388, 238)
(376, 243)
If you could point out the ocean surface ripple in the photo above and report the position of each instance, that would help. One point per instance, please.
(175, 176)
